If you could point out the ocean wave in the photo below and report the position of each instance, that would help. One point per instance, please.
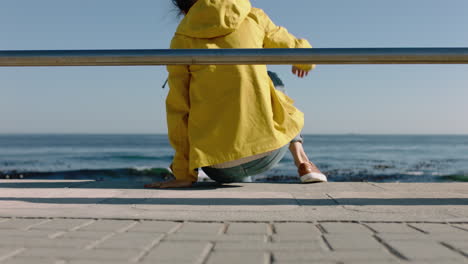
(360, 177)
(133, 174)
(125, 158)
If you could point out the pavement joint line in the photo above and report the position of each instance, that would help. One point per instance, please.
(459, 227)
(128, 227)
(82, 225)
(240, 221)
(339, 221)
(417, 229)
(224, 229)
(269, 259)
(37, 224)
(452, 248)
(269, 239)
(388, 222)
(232, 221)
(435, 222)
(327, 244)
(220, 230)
(99, 241)
(58, 234)
(271, 232)
(370, 228)
(376, 185)
(12, 254)
(270, 229)
(321, 228)
(390, 249)
(148, 248)
(205, 254)
(333, 199)
(175, 228)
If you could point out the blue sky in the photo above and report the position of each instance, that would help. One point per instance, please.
(373, 99)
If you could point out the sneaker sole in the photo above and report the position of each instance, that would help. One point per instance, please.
(314, 178)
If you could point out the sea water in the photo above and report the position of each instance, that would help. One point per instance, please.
(379, 158)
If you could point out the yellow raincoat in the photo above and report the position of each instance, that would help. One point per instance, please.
(217, 113)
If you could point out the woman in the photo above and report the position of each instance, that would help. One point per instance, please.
(229, 119)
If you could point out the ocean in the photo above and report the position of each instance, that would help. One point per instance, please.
(343, 158)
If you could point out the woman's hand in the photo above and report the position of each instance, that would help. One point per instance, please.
(300, 73)
(169, 184)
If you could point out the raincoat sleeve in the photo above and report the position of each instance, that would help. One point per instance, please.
(279, 37)
(177, 108)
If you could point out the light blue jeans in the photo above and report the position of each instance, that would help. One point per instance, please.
(243, 173)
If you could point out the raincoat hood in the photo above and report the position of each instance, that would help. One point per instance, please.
(214, 18)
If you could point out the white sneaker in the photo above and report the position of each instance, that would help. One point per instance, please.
(309, 173)
(314, 177)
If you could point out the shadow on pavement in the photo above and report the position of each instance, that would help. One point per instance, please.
(200, 186)
(248, 201)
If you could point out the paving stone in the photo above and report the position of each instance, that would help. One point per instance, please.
(369, 256)
(61, 224)
(239, 257)
(283, 246)
(43, 242)
(36, 260)
(295, 238)
(248, 228)
(108, 225)
(462, 226)
(154, 227)
(30, 260)
(98, 254)
(169, 262)
(340, 242)
(296, 229)
(83, 261)
(7, 251)
(178, 252)
(439, 261)
(438, 228)
(423, 250)
(345, 228)
(460, 245)
(393, 228)
(299, 256)
(96, 235)
(201, 228)
(388, 261)
(305, 262)
(20, 223)
(30, 233)
(216, 238)
(423, 237)
(130, 240)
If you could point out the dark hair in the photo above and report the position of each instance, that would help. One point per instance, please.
(184, 5)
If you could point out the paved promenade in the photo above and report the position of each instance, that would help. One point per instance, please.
(119, 222)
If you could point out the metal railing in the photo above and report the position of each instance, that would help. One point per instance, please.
(14, 58)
